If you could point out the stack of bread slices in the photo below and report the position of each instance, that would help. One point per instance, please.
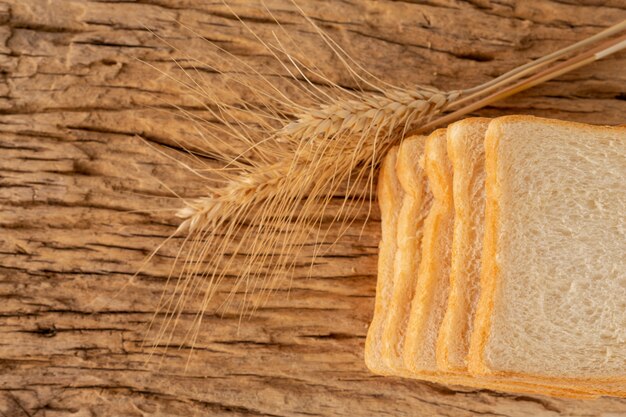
(502, 261)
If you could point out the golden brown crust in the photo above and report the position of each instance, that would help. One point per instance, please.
(389, 199)
(437, 230)
(415, 207)
(482, 320)
(557, 122)
(467, 158)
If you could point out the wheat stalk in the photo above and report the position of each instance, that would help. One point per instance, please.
(277, 192)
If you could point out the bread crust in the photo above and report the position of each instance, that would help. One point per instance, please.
(423, 325)
(489, 270)
(465, 143)
(415, 207)
(390, 197)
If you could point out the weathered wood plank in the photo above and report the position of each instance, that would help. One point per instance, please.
(85, 122)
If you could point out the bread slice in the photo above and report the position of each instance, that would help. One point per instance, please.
(390, 197)
(466, 150)
(553, 285)
(431, 289)
(431, 292)
(465, 145)
(415, 207)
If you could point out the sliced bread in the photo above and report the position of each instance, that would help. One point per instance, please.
(465, 144)
(431, 288)
(553, 283)
(415, 207)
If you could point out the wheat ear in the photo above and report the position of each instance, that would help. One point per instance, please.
(342, 120)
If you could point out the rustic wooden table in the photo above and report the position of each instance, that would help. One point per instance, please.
(85, 124)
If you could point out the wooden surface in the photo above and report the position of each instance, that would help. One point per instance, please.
(84, 125)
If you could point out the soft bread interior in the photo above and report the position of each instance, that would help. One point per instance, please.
(553, 286)
(390, 197)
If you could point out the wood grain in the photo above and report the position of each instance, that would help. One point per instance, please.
(88, 129)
